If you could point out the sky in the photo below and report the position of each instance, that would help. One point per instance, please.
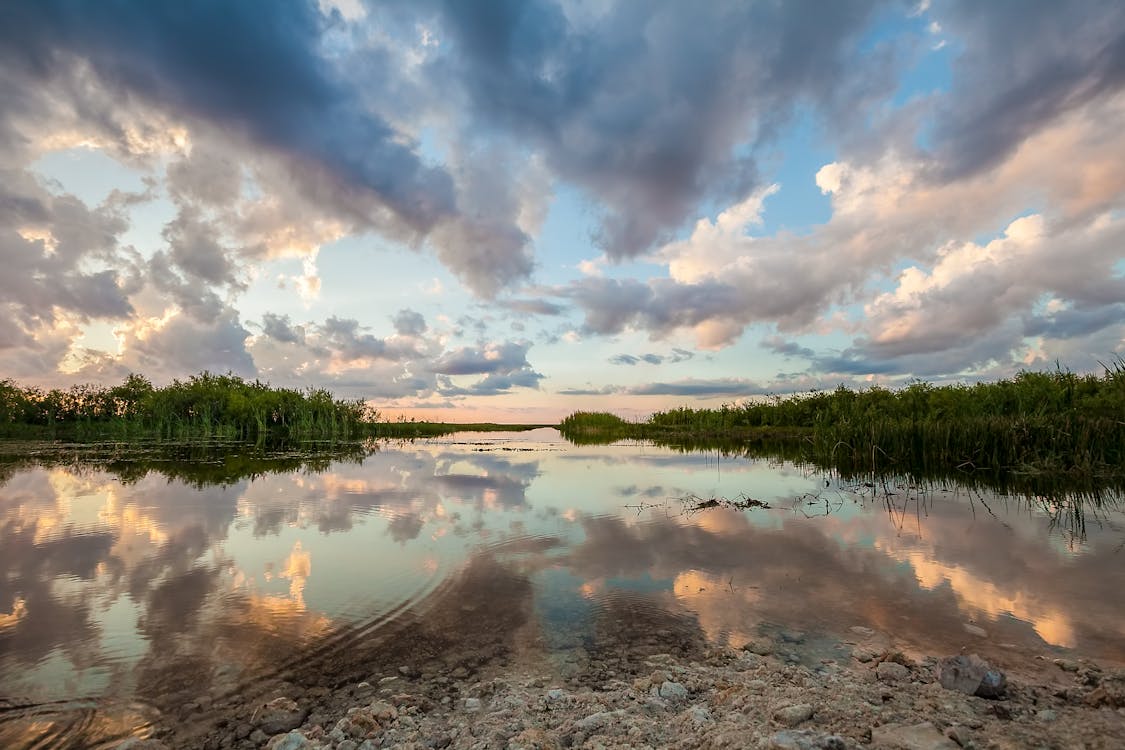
(514, 209)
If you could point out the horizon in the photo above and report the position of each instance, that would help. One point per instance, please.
(507, 212)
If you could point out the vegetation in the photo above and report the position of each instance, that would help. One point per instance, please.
(1036, 422)
(204, 405)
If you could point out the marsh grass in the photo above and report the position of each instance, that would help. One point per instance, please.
(1055, 424)
(205, 406)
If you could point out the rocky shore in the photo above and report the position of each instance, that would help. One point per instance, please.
(769, 693)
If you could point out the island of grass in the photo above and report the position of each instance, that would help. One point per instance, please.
(1036, 422)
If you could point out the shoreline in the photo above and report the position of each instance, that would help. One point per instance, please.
(693, 696)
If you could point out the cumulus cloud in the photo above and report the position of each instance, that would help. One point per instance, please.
(643, 105)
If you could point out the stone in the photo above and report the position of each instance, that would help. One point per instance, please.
(597, 720)
(924, 736)
(700, 716)
(793, 715)
(976, 630)
(793, 636)
(673, 691)
(534, 739)
(759, 646)
(279, 716)
(472, 705)
(347, 745)
(892, 673)
(971, 675)
(805, 739)
(1046, 714)
(136, 743)
(292, 741)
(258, 737)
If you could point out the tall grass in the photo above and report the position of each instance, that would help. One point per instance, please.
(1035, 422)
(203, 406)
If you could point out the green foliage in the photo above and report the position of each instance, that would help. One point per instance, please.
(205, 405)
(1034, 422)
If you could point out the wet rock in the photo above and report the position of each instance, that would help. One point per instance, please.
(294, 740)
(793, 715)
(976, 630)
(279, 716)
(805, 739)
(759, 646)
(923, 736)
(892, 673)
(673, 691)
(971, 675)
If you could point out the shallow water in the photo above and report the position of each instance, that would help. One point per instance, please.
(128, 588)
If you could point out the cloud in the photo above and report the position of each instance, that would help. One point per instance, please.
(677, 355)
(643, 106)
(531, 306)
(409, 323)
(279, 328)
(494, 358)
(1023, 67)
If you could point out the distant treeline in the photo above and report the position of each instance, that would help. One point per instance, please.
(1036, 421)
(204, 405)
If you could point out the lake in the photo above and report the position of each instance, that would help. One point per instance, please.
(135, 583)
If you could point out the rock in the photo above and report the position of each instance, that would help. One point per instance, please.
(472, 705)
(805, 739)
(892, 673)
(673, 691)
(408, 671)
(1066, 665)
(979, 632)
(279, 716)
(793, 715)
(534, 739)
(135, 743)
(1046, 714)
(861, 631)
(700, 716)
(597, 720)
(971, 675)
(759, 646)
(258, 737)
(383, 712)
(292, 741)
(556, 695)
(793, 636)
(347, 745)
(923, 736)
(864, 655)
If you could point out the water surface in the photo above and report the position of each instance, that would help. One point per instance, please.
(130, 586)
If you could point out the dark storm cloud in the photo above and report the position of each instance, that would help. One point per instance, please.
(1024, 64)
(644, 103)
(244, 67)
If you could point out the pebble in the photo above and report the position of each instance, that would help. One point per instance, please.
(923, 736)
(673, 691)
(472, 705)
(805, 739)
(294, 740)
(793, 715)
(892, 673)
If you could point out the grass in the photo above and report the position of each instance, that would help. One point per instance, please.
(1035, 423)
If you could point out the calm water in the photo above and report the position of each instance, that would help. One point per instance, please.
(126, 588)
